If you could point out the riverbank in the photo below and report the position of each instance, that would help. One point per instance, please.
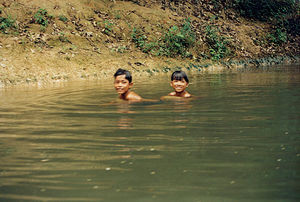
(44, 77)
(46, 42)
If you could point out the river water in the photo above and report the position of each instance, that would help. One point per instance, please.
(237, 140)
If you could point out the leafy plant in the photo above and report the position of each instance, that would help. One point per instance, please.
(108, 26)
(218, 45)
(41, 17)
(138, 38)
(63, 18)
(278, 36)
(6, 23)
(152, 47)
(140, 41)
(177, 41)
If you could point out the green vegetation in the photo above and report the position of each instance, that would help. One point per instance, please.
(63, 18)
(41, 17)
(218, 45)
(108, 27)
(284, 15)
(138, 38)
(62, 37)
(117, 15)
(6, 23)
(278, 36)
(140, 41)
(176, 41)
(264, 10)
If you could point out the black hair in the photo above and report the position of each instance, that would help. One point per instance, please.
(123, 72)
(179, 75)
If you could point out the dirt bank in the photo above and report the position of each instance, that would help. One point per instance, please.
(51, 41)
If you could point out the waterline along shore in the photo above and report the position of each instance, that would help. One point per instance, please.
(45, 42)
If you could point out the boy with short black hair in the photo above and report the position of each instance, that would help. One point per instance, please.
(179, 81)
(123, 83)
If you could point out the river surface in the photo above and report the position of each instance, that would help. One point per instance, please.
(237, 140)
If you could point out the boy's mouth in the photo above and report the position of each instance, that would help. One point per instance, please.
(120, 90)
(178, 87)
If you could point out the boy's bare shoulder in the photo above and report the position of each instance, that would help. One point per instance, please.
(187, 95)
(172, 96)
(132, 96)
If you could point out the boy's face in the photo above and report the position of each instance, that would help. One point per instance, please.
(179, 85)
(121, 84)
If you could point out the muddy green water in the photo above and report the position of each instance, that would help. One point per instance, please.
(237, 141)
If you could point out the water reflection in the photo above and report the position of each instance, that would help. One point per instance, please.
(181, 108)
(124, 121)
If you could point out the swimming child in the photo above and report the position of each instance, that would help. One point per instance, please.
(179, 81)
(123, 83)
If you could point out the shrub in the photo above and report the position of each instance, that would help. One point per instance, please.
(218, 45)
(278, 36)
(177, 41)
(152, 47)
(138, 38)
(6, 23)
(41, 17)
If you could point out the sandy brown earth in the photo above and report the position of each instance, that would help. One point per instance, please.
(96, 40)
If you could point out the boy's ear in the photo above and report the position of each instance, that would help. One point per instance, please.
(130, 84)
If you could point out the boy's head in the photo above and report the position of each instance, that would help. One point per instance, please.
(123, 72)
(179, 81)
(179, 75)
(123, 81)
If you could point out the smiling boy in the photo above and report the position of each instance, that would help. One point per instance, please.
(123, 83)
(179, 82)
